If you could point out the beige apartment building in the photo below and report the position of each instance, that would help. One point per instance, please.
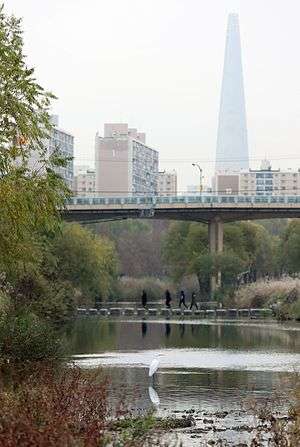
(263, 181)
(167, 183)
(84, 182)
(124, 164)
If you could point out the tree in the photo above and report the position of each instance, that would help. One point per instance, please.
(29, 199)
(87, 261)
(203, 267)
(230, 265)
(247, 246)
(138, 244)
(174, 249)
(289, 248)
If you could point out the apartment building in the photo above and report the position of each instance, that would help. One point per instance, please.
(63, 141)
(84, 182)
(167, 183)
(263, 181)
(124, 163)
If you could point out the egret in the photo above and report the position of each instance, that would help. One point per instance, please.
(153, 396)
(153, 367)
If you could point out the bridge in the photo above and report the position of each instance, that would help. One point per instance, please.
(201, 208)
(211, 209)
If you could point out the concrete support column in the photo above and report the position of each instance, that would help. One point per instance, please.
(215, 232)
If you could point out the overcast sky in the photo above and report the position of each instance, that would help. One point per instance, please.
(157, 64)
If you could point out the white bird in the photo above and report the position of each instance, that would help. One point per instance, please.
(153, 367)
(153, 396)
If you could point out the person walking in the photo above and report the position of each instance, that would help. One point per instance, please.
(193, 301)
(144, 298)
(168, 299)
(182, 299)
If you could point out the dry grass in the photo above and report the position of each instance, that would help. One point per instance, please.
(52, 405)
(276, 430)
(282, 294)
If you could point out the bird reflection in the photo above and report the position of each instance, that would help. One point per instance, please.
(144, 329)
(181, 330)
(153, 396)
(168, 330)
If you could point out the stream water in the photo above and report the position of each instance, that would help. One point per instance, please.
(208, 368)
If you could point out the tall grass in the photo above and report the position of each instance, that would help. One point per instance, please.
(130, 289)
(283, 295)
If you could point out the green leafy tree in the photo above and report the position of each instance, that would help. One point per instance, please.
(174, 249)
(87, 261)
(230, 265)
(203, 267)
(29, 199)
(247, 246)
(289, 248)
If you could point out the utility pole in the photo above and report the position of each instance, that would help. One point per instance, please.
(201, 176)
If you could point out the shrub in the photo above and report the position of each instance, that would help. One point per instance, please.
(53, 408)
(25, 336)
(283, 295)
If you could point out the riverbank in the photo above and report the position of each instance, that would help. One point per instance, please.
(62, 405)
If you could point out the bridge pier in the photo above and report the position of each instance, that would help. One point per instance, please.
(215, 237)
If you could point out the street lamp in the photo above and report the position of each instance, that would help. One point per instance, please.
(201, 176)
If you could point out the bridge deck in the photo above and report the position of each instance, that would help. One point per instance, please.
(202, 208)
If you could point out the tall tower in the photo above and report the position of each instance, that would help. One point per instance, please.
(232, 142)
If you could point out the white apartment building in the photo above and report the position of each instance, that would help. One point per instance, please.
(84, 182)
(64, 142)
(167, 183)
(124, 164)
(263, 181)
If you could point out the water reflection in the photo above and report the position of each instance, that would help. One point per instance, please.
(181, 330)
(204, 365)
(153, 396)
(168, 330)
(93, 335)
(144, 329)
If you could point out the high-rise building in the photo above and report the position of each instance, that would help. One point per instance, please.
(167, 183)
(124, 164)
(232, 141)
(60, 140)
(64, 142)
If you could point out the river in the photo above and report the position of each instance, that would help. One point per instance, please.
(208, 368)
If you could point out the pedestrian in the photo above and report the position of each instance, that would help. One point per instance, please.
(168, 299)
(144, 298)
(193, 301)
(182, 299)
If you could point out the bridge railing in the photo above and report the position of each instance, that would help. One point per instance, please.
(200, 199)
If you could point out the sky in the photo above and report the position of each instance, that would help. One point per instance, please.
(157, 64)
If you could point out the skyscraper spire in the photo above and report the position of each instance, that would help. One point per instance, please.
(232, 142)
